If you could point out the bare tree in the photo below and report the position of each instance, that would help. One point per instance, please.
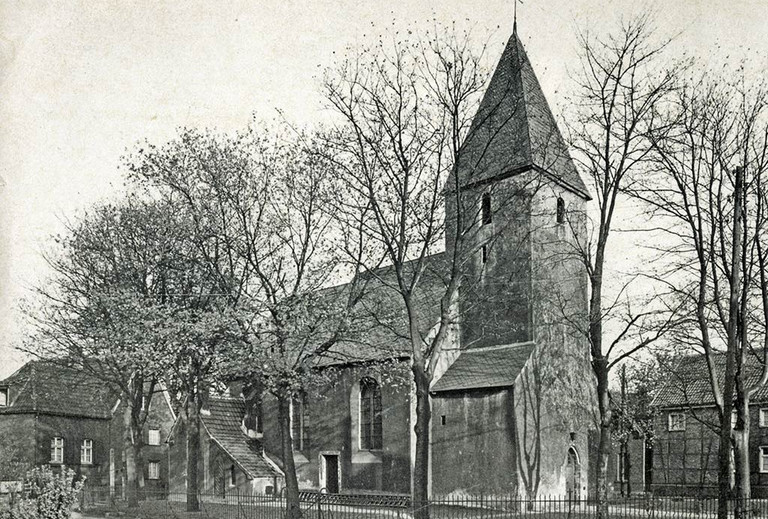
(409, 139)
(619, 90)
(710, 194)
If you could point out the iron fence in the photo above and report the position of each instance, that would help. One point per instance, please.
(243, 505)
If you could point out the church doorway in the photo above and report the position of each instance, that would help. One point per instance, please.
(573, 475)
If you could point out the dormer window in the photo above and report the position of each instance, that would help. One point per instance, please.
(3, 396)
(486, 209)
(560, 210)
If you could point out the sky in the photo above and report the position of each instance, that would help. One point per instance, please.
(81, 82)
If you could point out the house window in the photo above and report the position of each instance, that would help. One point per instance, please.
(676, 422)
(370, 414)
(86, 452)
(763, 420)
(486, 209)
(560, 210)
(764, 459)
(232, 476)
(154, 469)
(485, 253)
(3, 396)
(57, 450)
(298, 423)
(442, 419)
(154, 437)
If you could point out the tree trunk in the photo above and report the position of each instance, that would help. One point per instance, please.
(193, 454)
(733, 341)
(293, 508)
(600, 367)
(421, 428)
(741, 458)
(138, 464)
(130, 459)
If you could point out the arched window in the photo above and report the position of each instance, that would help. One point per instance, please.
(560, 210)
(370, 414)
(299, 423)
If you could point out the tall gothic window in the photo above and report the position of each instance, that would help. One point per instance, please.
(560, 210)
(298, 423)
(370, 414)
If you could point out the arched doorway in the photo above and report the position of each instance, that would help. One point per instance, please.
(573, 475)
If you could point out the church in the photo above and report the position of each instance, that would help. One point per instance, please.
(511, 399)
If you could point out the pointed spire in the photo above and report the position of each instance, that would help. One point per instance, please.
(514, 129)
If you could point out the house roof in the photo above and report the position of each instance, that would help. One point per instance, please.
(46, 387)
(688, 383)
(493, 366)
(222, 422)
(514, 129)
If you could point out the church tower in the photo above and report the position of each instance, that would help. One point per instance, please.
(514, 387)
(517, 185)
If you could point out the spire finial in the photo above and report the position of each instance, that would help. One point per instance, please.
(514, 20)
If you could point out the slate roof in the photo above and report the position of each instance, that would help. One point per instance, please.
(52, 388)
(223, 426)
(514, 128)
(688, 382)
(493, 366)
(380, 324)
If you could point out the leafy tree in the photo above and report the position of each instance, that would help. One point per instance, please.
(92, 314)
(45, 495)
(261, 206)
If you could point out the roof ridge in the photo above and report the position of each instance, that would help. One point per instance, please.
(499, 347)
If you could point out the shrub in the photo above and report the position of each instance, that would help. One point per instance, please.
(45, 495)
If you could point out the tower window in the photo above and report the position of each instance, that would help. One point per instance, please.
(485, 253)
(560, 210)
(486, 209)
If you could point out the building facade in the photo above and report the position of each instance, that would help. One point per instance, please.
(686, 431)
(58, 416)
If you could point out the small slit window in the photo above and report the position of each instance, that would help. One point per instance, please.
(485, 253)
(560, 210)
(487, 215)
